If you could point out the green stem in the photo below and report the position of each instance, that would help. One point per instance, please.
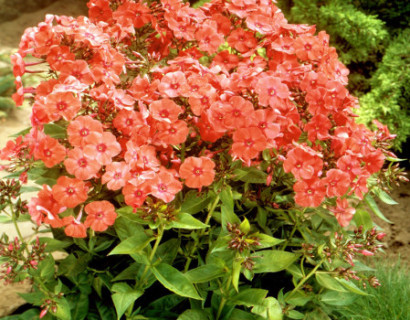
(146, 269)
(223, 300)
(13, 217)
(201, 233)
(304, 279)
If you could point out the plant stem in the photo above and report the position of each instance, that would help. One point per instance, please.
(223, 300)
(144, 273)
(201, 233)
(13, 217)
(304, 279)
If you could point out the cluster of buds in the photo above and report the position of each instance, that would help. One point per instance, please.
(349, 274)
(19, 259)
(393, 175)
(9, 188)
(364, 243)
(240, 240)
(50, 304)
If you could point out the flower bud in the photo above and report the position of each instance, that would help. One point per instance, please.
(43, 313)
(367, 253)
(380, 236)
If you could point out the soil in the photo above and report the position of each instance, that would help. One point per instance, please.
(398, 233)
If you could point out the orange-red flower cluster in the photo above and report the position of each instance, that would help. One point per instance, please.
(138, 82)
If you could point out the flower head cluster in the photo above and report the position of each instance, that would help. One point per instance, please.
(149, 91)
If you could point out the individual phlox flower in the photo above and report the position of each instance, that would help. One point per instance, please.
(171, 133)
(303, 164)
(62, 104)
(337, 183)
(248, 142)
(135, 195)
(271, 91)
(102, 147)
(164, 186)
(116, 175)
(242, 40)
(50, 151)
(74, 228)
(165, 110)
(69, 192)
(79, 130)
(309, 193)
(126, 120)
(80, 165)
(100, 215)
(173, 84)
(197, 172)
(343, 212)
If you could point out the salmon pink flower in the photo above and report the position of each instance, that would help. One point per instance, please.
(343, 212)
(197, 172)
(173, 84)
(271, 91)
(50, 151)
(127, 120)
(242, 40)
(116, 175)
(74, 228)
(164, 186)
(102, 147)
(69, 192)
(165, 110)
(81, 166)
(172, 133)
(303, 163)
(337, 183)
(135, 195)
(248, 142)
(309, 193)
(80, 129)
(100, 215)
(208, 38)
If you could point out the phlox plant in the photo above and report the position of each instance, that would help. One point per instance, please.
(191, 163)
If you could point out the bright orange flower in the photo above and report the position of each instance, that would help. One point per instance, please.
(80, 129)
(271, 91)
(101, 215)
(337, 182)
(343, 212)
(69, 192)
(74, 228)
(81, 166)
(127, 120)
(197, 172)
(50, 151)
(248, 142)
(173, 84)
(102, 147)
(172, 133)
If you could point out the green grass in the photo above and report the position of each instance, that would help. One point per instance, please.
(390, 301)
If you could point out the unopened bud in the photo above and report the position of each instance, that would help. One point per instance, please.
(367, 253)
(43, 313)
(380, 236)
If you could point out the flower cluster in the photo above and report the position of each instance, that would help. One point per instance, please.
(148, 93)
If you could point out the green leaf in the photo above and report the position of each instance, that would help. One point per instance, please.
(55, 131)
(267, 241)
(236, 272)
(166, 302)
(5, 219)
(327, 281)
(186, 221)
(26, 189)
(299, 299)
(168, 250)
(132, 245)
(273, 260)
(384, 196)
(351, 287)
(63, 310)
(21, 133)
(362, 218)
(270, 309)
(123, 297)
(130, 273)
(226, 197)
(174, 280)
(373, 205)
(293, 314)
(81, 305)
(245, 226)
(46, 268)
(205, 273)
(194, 314)
(238, 314)
(54, 244)
(194, 202)
(249, 297)
(250, 174)
(335, 298)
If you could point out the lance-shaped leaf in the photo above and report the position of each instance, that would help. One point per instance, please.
(205, 273)
(273, 260)
(132, 245)
(186, 221)
(123, 297)
(194, 202)
(174, 280)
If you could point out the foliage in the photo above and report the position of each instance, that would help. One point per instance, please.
(390, 95)
(191, 164)
(6, 85)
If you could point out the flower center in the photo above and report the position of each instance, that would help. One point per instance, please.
(164, 113)
(82, 162)
(198, 171)
(101, 147)
(84, 132)
(61, 105)
(162, 187)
